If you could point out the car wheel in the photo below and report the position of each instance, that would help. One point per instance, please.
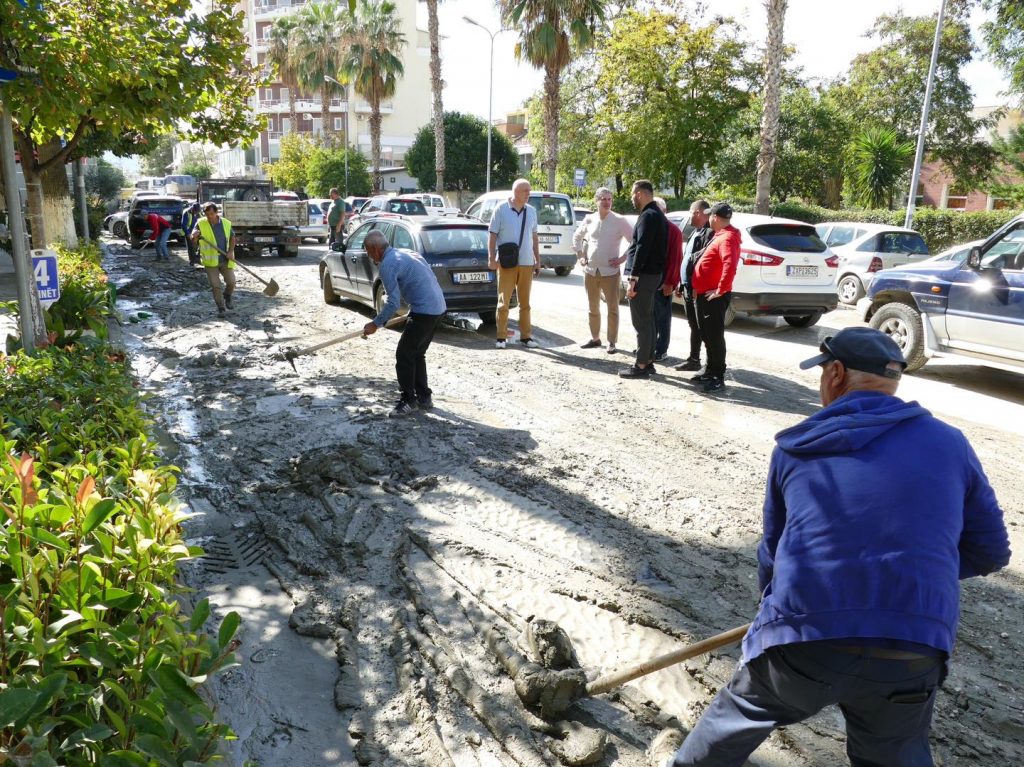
(562, 271)
(902, 323)
(330, 297)
(321, 240)
(120, 230)
(730, 316)
(802, 320)
(283, 251)
(489, 317)
(850, 289)
(380, 297)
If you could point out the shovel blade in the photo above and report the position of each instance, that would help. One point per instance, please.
(272, 288)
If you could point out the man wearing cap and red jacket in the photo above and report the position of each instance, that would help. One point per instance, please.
(712, 286)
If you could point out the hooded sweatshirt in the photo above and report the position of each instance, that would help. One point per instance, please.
(874, 510)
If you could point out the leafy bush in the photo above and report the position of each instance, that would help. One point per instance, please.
(98, 664)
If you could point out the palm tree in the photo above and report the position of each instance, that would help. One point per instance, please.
(322, 33)
(770, 116)
(548, 32)
(373, 64)
(280, 54)
(436, 85)
(879, 161)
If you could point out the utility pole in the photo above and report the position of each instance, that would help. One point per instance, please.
(925, 110)
(490, 93)
(83, 206)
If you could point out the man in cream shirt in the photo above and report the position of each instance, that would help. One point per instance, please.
(597, 242)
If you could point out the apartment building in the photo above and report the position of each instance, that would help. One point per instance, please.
(403, 115)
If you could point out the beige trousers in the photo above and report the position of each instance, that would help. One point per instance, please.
(213, 274)
(520, 280)
(596, 285)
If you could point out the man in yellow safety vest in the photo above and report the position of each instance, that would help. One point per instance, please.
(217, 251)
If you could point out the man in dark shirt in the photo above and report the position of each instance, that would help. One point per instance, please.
(699, 239)
(645, 266)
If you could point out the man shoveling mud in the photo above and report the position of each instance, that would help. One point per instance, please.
(873, 512)
(406, 274)
(217, 251)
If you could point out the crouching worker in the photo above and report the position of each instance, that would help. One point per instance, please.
(874, 511)
(217, 250)
(407, 276)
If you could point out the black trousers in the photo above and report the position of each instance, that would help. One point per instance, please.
(711, 320)
(691, 318)
(641, 311)
(411, 355)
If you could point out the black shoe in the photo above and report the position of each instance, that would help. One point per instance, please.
(701, 378)
(637, 372)
(227, 303)
(593, 343)
(714, 384)
(221, 311)
(690, 364)
(425, 403)
(403, 408)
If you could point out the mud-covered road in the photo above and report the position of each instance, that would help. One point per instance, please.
(371, 558)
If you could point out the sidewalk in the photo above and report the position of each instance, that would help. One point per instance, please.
(8, 292)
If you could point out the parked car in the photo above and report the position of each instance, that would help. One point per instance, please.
(181, 185)
(317, 227)
(963, 306)
(866, 249)
(169, 207)
(286, 196)
(385, 205)
(436, 206)
(117, 224)
(556, 224)
(455, 248)
(581, 213)
(356, 203)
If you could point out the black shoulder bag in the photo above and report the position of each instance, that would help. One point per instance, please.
(508, 252)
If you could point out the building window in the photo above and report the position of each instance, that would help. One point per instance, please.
(1000, 203)
(956, 198)
(337, 123)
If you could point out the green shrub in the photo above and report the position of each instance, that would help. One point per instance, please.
(97, 662)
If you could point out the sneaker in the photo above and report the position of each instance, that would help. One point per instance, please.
(594, 343)
(611, 349)
(529, 343)
(661, 357)
(425, 403)
(402, 409)
(636, 372)
(499, 344)
(690, 365)
(700, 378)
(714, 384)
(227, 302)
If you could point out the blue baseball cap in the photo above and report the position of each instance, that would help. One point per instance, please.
(864, 349)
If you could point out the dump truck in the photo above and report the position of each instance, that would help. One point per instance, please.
(258, 221)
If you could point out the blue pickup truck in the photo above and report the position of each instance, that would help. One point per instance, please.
(966, 303)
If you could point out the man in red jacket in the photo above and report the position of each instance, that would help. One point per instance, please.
(712, 285)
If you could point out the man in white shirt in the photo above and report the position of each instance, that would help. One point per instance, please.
(598, 242)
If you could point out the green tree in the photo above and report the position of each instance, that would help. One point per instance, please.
(550, 32)
(1004, 38)
(885, 87)
(373, 63)
(325, 167)
(158, 155)
(880, 160)
(465, 136)
(281, 54)
(320, 38)
(104, 180)
(289, 172)
(199, 169)
(104, 75)
(436, 87)
(770, 102)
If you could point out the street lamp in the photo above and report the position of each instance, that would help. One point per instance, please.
(490, 91)
(329, 79)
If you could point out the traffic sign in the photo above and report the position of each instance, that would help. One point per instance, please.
(580, 177)
(44, 269)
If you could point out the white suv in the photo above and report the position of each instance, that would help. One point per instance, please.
(556, 224)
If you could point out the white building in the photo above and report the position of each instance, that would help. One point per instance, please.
(403, 115)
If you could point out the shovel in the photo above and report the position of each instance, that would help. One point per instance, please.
(291, 354)
(272, 286)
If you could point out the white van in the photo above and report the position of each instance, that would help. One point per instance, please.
(556, 225)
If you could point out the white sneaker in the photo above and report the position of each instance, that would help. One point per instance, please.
(499, 344)
(529, 343)
(662, 750)
(611, 348)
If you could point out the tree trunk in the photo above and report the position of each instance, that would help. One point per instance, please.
(325, 115)
(436, 85)
(551, 107)
(293, 113)
(378, 179)
(770, 117)
(58, 204)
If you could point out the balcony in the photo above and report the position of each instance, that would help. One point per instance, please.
(270, 7)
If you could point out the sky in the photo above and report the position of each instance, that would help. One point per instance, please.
(827, 34)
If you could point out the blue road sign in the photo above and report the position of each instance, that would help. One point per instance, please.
(44, 269)
(580, 177)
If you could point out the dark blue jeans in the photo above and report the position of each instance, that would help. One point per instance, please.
(662, 322)
(887, 705)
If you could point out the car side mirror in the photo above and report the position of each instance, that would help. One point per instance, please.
(974, 258)
(338, 247)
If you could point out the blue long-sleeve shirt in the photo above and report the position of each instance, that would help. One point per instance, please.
(406, 275)
(873, 512)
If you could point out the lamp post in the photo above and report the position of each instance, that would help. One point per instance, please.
(490, 91)
(329, 79)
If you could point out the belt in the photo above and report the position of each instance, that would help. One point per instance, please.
(883, 652)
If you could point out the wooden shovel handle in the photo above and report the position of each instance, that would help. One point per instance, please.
(347, 337)
(237, 262)
(619, 678)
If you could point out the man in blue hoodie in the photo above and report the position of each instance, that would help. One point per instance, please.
(874, 511)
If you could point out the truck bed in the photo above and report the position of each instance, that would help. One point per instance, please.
(265, 214)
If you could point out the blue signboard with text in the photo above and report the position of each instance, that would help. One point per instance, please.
(44, 270)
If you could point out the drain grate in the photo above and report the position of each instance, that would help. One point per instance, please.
(235, 551)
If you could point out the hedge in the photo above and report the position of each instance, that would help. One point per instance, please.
(98, 664)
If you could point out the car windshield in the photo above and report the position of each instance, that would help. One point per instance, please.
(788, 238)
(552, 211)
(406, 207)
(454, 239)
(157, 205)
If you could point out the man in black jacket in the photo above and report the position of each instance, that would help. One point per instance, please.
(699, 239)
(645, 263)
